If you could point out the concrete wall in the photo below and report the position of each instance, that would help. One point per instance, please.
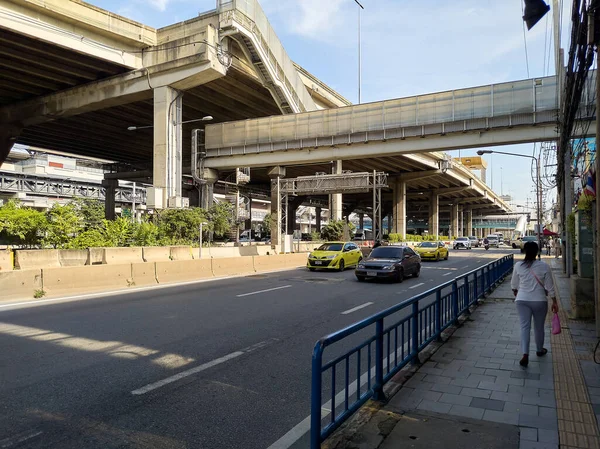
(73, 257)
(36, 258)
(64, 281)
(181, 253)
(122, 255)
(156, 253)
(6, 260)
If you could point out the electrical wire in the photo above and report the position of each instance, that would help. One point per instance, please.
(525, 42)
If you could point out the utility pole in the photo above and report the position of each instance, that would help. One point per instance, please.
(593, 22)
(360, 8)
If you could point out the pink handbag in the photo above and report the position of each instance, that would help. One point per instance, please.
(555, 324)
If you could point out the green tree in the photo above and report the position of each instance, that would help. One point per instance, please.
(64, 223)
(118, 232)
(21, 225)
(92, 238)
(145, 234)
(266, 224)
(334, 230)
(179, 226)
(220, 218)
(91, 212)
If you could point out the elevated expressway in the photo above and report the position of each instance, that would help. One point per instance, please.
(74, 78)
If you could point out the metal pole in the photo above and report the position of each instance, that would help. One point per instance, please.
(539, 204)
(597, 162)
(278, 213)
(359, 51)
(133, 206)
(200, 242)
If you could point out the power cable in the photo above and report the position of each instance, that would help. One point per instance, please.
(525, 42)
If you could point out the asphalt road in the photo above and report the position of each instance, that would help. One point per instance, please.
(98, 372)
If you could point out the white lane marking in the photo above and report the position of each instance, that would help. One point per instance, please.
(439, 268)
(19, 438)
(263, 291)
(446, 274)
(132, 290)
(293, 435)
(354, 309)
(466, 266)
(418, 285)
(161, 383)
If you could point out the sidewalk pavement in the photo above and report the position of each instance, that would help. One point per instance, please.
(472, 392)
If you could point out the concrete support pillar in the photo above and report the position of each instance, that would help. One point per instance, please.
(461, 223)
(336, 198)
(469, 231)
(248, 223)
(275, 173)
(110, 190)
(361, 221)
(399, 203)
(318, 212)
(210, 177)
(454, 221)
(8, 137)
(434, 214)
(167, 163)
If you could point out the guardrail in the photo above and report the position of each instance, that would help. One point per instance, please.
(423, 324)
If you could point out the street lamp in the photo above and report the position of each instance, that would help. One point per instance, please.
(207, 118)
(537, 186)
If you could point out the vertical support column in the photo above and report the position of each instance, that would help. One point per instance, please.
(336, 198)
(389, 224)
(434, 214)
(167, 161)
(361, 221)
(461, 225)
(248, 224)
(318, 212)
(399, 192)
(469, 230)
(276, 173)
(454, 221)
(110, 190)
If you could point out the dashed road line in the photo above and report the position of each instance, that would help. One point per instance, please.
(263, 291)
(417, 285)
(446, 274)
(354, 309)
(19, 438)
(161, 383)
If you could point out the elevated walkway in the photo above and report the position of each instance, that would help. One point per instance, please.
(496, 114)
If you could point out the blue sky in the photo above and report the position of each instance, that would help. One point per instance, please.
(409, 47)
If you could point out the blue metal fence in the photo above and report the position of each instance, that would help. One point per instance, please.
(395, 345)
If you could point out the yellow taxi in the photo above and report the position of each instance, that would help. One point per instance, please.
(432, 250)
(334, 256)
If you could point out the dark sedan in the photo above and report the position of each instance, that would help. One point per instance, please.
(389, 262)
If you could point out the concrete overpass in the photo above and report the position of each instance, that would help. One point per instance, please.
(75, 77)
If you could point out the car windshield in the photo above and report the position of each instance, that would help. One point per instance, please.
(473, 238)
(530, 239)
(428, 245)
(462, 238)
(492, 238)
(331, 247)
(388, 252)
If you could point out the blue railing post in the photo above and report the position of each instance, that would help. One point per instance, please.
(455, 302)
(316, 398)
(414, 337)
(476, 289)
(378, 394)
(438, 315)
(467, 295)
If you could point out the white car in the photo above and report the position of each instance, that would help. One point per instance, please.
(462, 242)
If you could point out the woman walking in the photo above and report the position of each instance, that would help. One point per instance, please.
(531, 282)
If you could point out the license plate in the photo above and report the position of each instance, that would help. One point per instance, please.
(318, 262)
(372, 273)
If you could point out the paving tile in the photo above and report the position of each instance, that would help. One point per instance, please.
(433, 406)
(454, 373)
(429, 395)
(547, 412)
(548, 436)
(499, 373)
(541, 401)
(437, 379)
(494, 386)
(443, 388)
(482, 378)
(465, 383)
(450, 398)
(528, 434)
(487, 365)
(431, 370)
(539, 384)
(537, 421)
(488, 404)
(510, 397)
(526, 409)
(472, 369)
(467, 412)
(536, 445)
(476, 393)
(418, 383)
(500, 416)
(524, 375)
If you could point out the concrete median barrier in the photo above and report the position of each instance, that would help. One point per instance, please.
(6, 260)
(143, 273)
(73, 257)
(156, 253)
(122, 255)
(20, 284)
(295, 260)
(181, 253)
(73, 280)
(36, 258)
(183, 270)
(222, 251)
(269, 263)
(95, 256)
(233, 266)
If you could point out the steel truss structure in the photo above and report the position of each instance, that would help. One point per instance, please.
(323, 184)
(33, 185)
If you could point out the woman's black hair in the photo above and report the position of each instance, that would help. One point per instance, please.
(531, 252)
